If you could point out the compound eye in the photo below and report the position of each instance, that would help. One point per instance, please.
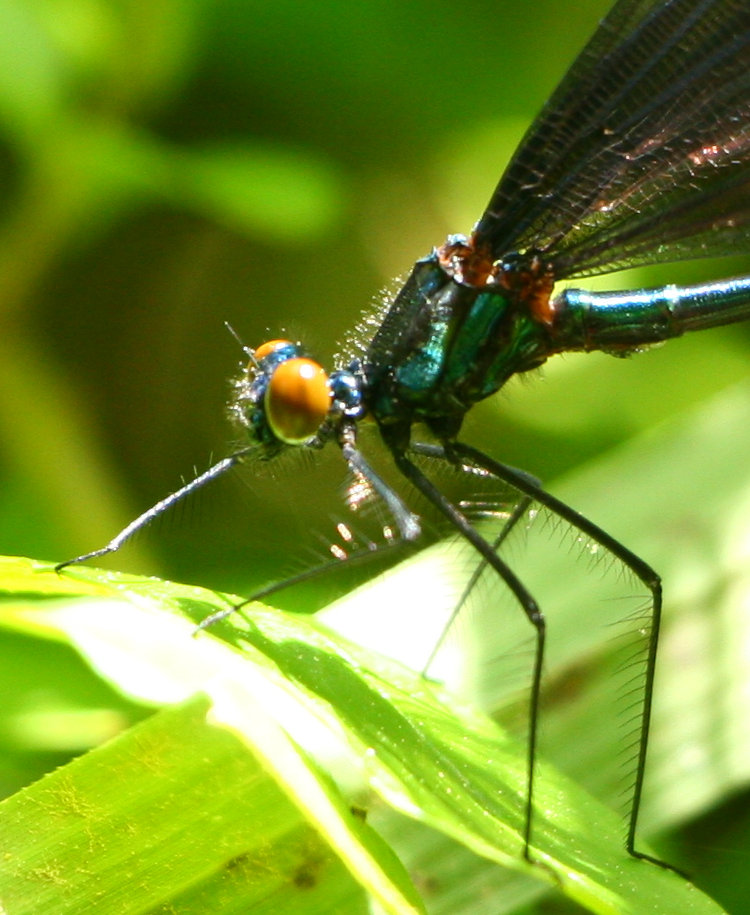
(297, 400)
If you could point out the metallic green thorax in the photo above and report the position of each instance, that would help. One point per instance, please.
(444, 345)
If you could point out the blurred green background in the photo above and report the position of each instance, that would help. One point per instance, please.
(168, 165)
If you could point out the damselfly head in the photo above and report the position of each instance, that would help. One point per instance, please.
(284, 397)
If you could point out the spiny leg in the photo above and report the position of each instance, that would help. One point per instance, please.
(407, 524)
(519, 511)
(458, 452)
(527, 603)
(161, 506)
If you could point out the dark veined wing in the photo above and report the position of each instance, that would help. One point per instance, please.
(643, 152)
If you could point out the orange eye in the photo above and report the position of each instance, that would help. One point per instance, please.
(265, 349)
(297, 400)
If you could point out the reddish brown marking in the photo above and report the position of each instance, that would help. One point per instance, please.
(532, 284)
(467, 263)
(530, 280)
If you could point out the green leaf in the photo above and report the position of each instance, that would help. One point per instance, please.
(182, 811)
(290, 689)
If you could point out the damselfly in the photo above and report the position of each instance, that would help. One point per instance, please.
(640, 156)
